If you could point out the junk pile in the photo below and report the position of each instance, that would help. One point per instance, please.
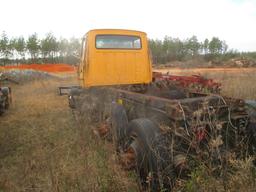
(241, 62)
(21, 76)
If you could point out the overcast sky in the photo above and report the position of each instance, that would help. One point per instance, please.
(230, 20)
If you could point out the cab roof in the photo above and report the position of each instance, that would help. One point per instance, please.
(115, 31)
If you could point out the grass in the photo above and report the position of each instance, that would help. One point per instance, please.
(241, 176)
(238, 85)
(44, 148)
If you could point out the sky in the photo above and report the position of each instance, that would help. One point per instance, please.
(231, 20)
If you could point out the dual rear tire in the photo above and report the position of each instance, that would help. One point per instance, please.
(143, 137)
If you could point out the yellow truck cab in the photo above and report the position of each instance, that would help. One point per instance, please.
(114, 57)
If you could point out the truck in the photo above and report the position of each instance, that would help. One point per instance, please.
(5, 94)
(162, 126)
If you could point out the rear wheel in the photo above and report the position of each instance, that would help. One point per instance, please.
(143, 140)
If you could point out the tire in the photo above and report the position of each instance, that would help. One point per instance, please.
(6, 97)
(74, 92)
(2, 106)
(251, 129)
(143, 136)
(71, 102)
(119, 124)
(7, 103)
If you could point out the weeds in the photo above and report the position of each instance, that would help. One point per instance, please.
(241, 176)
(44, 148)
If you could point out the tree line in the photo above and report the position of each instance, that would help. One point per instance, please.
(34, 50)
(49, 49)
(173, 49)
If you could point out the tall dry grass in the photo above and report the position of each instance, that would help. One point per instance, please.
(240, 84)
(236, 82)
(44, 148)
(241, 175)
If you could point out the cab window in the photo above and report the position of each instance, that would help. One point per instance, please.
(118, 42)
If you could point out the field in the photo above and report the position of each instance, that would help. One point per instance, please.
(236, 82)
(45, 146)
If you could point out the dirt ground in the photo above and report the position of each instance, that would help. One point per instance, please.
(43, 147)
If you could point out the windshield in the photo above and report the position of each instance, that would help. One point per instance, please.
(118, 42)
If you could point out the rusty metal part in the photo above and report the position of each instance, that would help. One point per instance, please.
(128, 159)
(195, 82)
(167, 106)
(103, 129)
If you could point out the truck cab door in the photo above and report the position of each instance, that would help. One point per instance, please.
(83, 62)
